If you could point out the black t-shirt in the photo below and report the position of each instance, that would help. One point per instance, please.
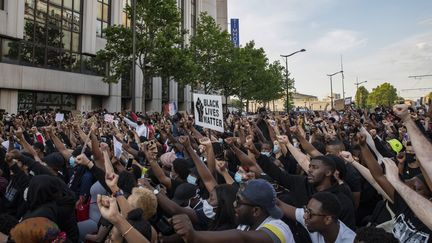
(302, 190)
(409, 172)
(353, 178)
(407, 227)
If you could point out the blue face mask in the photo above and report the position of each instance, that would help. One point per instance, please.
(192, 180)
(72, 161)
(276, 149)
(268, 154)
(238, 177)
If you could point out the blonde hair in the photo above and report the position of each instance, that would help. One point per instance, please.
(146, 200)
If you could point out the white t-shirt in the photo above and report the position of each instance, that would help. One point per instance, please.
(275, 228)
(345, 234)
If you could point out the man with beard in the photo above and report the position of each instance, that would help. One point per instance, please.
(257, 214)
(320, 218)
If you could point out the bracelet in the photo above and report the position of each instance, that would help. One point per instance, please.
(127, 231)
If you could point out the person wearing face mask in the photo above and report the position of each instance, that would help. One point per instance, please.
(187, 196)
(139, 126)
(408, 165)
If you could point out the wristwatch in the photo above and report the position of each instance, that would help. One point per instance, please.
(118, 193)
(156, 191)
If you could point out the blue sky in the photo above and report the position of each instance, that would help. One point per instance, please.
(380, 41)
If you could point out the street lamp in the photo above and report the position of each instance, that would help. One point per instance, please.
(331, 87)
(286, 75)
(357, 84)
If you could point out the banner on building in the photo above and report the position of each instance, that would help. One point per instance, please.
(235, 32)
(208, 111)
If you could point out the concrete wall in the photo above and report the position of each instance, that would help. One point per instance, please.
(40, 79)
(222, 14)
(9, 100)
(12, 19)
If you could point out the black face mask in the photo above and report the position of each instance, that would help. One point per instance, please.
(410, 158)
(139, 123)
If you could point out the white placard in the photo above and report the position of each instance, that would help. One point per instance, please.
(59, 117)
(348, 101)
(208, 111)
(117, 148)
(109, 118)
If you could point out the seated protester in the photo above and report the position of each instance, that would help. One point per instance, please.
(373, 234)
(7, 222)
(320, 218)
(407, 225)
(320, 178)
(49, 197)
(137, 221)
(409, 166)
(187, 195)
(257, 214)
(13, 201)
(81, 178)
(38, 229)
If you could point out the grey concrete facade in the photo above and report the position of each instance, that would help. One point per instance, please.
(14, 78)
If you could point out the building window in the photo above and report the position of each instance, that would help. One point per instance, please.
(126, 20)
(35, 101)
(103, 17)
(193, 17)
(2, 3)
(52, 36)
(126, 83)
(165, 90)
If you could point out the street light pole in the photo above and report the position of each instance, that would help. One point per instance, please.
(331, 87)
(286, 76)
(134, 56)
(357, 84)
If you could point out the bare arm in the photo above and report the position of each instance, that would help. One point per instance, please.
(421, 206)
(422, 147)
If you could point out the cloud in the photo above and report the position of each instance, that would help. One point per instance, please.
(338, 41)
(427, 22)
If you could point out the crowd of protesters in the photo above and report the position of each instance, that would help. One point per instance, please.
(354, 175)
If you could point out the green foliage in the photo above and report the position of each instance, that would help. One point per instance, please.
(361, 97)
(236, 103)
(384, 94)
(212, 55)
(158, 42)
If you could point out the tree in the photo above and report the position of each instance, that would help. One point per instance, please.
(159, 39)
(211, 51)
(361, 97)
(384, 94)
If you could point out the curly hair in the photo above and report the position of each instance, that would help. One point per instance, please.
(145, 199)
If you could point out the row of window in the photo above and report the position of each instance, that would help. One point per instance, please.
(36, 101)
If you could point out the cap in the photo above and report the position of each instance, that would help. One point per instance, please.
(262, 193)
(184, 192)
(395, 145)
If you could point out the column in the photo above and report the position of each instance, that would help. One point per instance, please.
(89, 27)
(9, 100)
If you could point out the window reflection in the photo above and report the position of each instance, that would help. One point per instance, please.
(31, 101)
(103, 16)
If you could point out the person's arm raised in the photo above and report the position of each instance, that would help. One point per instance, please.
(347, 156)
(203, 171)
(374, 168)
(157, 170)
(422, 147)
(211, 161)
(109, 210)
(421, 206)
(308, 147)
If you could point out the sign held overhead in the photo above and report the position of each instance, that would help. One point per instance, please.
(208, 111)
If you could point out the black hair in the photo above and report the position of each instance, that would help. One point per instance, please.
(39, 146)
(181, 167)
(7, 222)
(136, 219)
(326, 161)
(330, 204)
(372, 234)
(126, 182)
(225, 212)
(336, 142)
(320, 146)
(340, 165)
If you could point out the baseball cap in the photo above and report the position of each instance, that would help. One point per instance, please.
(395, 145)
(261, 193)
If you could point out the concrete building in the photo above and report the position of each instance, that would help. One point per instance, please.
(47, 50)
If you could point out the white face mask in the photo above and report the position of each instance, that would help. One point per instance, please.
(192, 180)
(208, 210)
(238, 177)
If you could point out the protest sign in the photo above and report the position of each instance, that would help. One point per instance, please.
(59, 117)
(109, 118)
(348, 101)
(92, 119)
(208, 111)
(117, 148)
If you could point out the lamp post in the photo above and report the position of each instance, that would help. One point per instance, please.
(286, 75)
(357, 84)
(134, 56)
(331, 87)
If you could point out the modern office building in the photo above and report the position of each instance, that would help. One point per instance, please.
(47, 50)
